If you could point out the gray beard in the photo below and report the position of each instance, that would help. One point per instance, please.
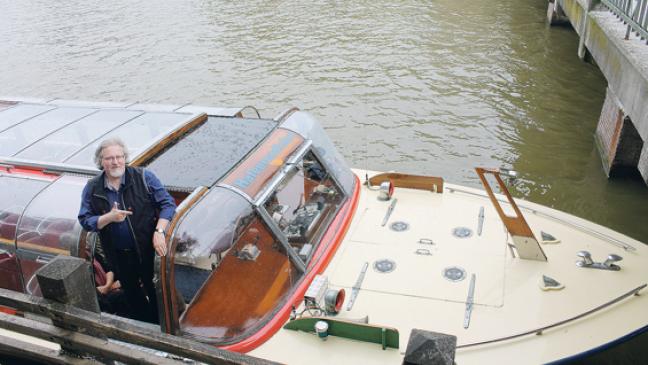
(115, 173)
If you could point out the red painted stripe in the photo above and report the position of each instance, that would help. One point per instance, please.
(330, 243)
(7, 310)
(24, 171)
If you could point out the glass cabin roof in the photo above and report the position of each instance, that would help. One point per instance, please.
(67, 132)
(206, 154)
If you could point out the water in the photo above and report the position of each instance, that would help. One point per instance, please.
(428, 87)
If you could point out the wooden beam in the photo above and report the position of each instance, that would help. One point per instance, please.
(431, 183)
(31, 352)
(81, 343)
(125, 330)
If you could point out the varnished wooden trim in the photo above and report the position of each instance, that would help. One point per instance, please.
(431, 183)
(167, 264)
(36, 247)
(143, 157)
(516, 226)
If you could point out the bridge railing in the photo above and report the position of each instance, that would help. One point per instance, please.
(634, 13)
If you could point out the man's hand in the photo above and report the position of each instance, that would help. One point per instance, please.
(159, 243)
(117, 215)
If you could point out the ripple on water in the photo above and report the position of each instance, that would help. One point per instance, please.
(426, 87)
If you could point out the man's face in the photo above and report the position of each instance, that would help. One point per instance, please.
(113, 161)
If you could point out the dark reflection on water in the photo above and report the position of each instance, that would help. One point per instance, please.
(419, 86)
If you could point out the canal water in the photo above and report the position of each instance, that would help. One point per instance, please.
(428, 87)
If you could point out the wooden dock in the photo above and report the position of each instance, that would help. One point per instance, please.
(88, 337)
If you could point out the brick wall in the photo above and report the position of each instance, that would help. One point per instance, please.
(608, 129)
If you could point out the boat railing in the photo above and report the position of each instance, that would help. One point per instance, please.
(634, 13)
(129, 341)
(285, 114)
(248, 112)
(581, 227)
(541, 330)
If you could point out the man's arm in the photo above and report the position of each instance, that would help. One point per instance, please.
(87, 217)
(166, 205)
(163, 200)
(93, 222)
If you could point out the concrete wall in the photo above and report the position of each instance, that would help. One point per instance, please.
(624, 63)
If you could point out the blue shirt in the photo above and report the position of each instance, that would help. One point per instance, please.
(121, 230)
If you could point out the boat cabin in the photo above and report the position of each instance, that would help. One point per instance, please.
(262, 205)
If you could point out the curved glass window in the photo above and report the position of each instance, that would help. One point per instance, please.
(304, 203)
(230, 269)
(309, 128)
(136, 134)
(204, 235)
(19, 113)
(49, 227)
(15, 194)
(63, 143)
(22, 135)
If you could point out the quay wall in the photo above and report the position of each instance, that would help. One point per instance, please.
(622, 133)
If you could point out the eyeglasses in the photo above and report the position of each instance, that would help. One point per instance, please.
(114, 158)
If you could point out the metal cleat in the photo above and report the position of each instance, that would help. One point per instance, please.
(586, 259)
(611, 259)
(587, 262)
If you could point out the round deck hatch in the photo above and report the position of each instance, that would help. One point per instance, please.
(454, 273)
(384, 266)
(462, 232)
(399, 226)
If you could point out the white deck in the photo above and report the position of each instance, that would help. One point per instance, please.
(508, 299)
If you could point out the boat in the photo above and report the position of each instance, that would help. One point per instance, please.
(279, 250)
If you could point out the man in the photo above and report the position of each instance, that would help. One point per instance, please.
(130, 209)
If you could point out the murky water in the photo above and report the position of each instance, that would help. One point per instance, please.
(434, 87)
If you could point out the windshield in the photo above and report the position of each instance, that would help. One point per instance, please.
(229, 269)
(236, 265)
(303, 204)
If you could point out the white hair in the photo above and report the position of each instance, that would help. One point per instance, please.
(115, 141)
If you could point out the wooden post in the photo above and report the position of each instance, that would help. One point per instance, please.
(68, 280)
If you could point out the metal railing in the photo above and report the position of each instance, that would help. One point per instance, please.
(634, 13)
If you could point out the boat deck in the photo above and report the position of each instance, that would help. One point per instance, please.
(508, 300)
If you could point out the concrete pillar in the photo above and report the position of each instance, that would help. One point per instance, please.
(618, 140)
(583, 53)
(555, 14)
